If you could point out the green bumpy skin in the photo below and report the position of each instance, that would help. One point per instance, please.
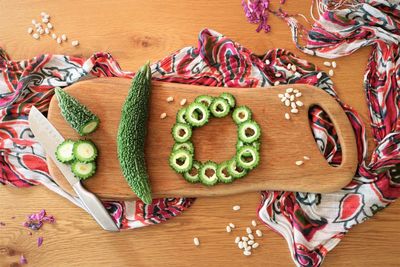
(233, 169)
(229, 98)
(186, 145)
(245, 152)
(180, 116)
(85, 143)
(221, 175)
(76, 168)
(240, 143)
(193, 112)
(177, 129)
(64, 152)
(184, 157)
(204, 99)
(204, 179)
(193, 178)
(132, 132)
(219, 107)
(242, 110)
(77, 115)
(249, 125)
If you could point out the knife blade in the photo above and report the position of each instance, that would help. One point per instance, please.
(48, 136)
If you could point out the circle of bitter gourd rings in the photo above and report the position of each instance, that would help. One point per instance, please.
(197, 114)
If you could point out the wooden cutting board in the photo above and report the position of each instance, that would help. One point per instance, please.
(283, 141)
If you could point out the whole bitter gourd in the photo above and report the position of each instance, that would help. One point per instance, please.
(77, 115)
(132, 132)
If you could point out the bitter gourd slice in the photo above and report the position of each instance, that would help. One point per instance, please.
(197, 114)
(229, 98)
(234, 170)
(249, 131)
(132, 132)
(181, 132)
(77, 115)
(181, 160)
(204, 99)
(180, 116)
(186, 145)
(64, 151)
(223, 174)
(219, 107)
(192, 175)
(208, 173)
(83, 170)
(241, 114)
(247, 157)
(240, 143)
(84, 151)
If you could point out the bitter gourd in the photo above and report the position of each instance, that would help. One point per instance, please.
(229, 98)
(181, 132)
(247, 157)
(219, 107)
(64, 151)
(186, 145)
(77, 115)
(241, 114)
(192, 175)
(204, 99)
(180, 116)
(83, 170)
(181, 160)
(223, 174)
(84, 151)
(197, 114)
(234, 170)
(249, 131)
(208, 173)
(132, 132)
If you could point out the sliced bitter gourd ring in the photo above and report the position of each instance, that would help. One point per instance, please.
(241, 114)
(197, 114)
(234, 170)
(83, 170)
(64, 151)
(219, 107)
(84, 151)
(223, 174)
(186, 145)
(204, 99)
(180, 116)
(229, 98)
(240, 144)
(247, 157)
(208, 173)
(249, 132)
(181, 132)
(192, 175)
(181, 160)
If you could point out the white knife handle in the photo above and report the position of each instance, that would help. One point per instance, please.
(93, 203)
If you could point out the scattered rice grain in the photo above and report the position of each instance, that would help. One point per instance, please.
(299, 162)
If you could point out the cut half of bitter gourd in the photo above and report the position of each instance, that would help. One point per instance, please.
(219, 107)
(204, 99)
(234, 170)
(83, 170)
(84, 151)
(64, 151)
(180, 116)
(197, 114)
(249, 131)
(229, 98)
(241, 114)
(223, 174)
(192, 175)
(186, 145)
(181, 132)
(247, 157)
(208, 173)
(77, 115)
(181, 160)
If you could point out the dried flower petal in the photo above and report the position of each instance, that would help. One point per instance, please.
(257, 13)
(39, 241)
(35, 220)
(22, 260)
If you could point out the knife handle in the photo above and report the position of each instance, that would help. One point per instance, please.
(95, 208)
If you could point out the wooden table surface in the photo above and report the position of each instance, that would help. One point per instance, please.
(135, 31)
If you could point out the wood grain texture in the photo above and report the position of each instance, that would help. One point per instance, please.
(134, 31)
(283, 142)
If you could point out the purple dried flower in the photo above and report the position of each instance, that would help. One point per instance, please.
(35, 220)
(257, 12)
(22, 260)
(39, 241)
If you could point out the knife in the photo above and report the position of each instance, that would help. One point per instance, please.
(48, 136)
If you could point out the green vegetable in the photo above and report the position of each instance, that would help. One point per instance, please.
(180, 116)
(64, 152)
(241, 114)
(234, 170)
(83, 170)
(229, 98)
(240, 143)
(77, 115)
(181, 132)
(186, 145)
(204, 99)
(181, 160)
(247, 157)
(132, 132)
(249, 132)
(208, 173)
(197, 114)
(84, 151)
(219, 107)
(192, 176)
(223, 174)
